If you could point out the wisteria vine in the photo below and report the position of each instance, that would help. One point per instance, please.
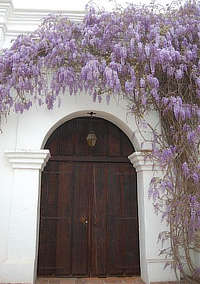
(151, 58)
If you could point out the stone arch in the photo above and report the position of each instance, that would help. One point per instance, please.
(39, 122)
(132, 135)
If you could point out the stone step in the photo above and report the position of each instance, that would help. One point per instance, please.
(108, 280)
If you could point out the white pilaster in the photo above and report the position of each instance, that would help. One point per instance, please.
(6, 7)
(5, 10)
(23, 230)
(149, 223)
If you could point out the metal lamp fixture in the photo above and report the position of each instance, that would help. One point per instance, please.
(91, 137)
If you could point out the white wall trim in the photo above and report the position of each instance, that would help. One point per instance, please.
(28, 159)
(159, 260)
(18, 21)
(143, 161)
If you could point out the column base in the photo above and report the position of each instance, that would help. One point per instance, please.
(17, 271)
(157, 273)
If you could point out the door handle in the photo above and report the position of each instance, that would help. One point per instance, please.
(84, 220)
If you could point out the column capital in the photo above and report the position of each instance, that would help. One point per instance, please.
(28, 159)
(142, 161)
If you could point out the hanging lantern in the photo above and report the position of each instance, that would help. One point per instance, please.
(91, 137)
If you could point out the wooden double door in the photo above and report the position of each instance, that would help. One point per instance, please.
(88, 224)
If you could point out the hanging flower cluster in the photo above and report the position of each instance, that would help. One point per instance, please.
(150, 57)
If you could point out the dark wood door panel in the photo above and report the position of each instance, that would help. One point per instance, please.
(63, 237)
(115, 227)
(122, 252)
(55, 256)
(83, 184)
(55, 220)
(99, 221)
(122, 228)
(70, 139)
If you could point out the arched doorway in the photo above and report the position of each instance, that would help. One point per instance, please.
(88, 223)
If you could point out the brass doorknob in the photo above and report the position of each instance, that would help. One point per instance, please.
(84, 220)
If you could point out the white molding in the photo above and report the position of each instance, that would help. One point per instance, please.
(6, 7)
(142, 161)
(159, 260)
(33, 159)
(18, 21)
